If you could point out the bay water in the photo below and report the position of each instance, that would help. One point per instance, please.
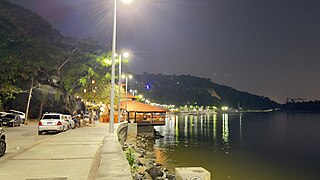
(243, 146)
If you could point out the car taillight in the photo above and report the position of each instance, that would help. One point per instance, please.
(59, 123)
(39, 123)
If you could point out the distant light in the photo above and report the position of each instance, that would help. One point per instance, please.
(225, 108)
(127, 1)
(148, 86)
(101, 108)
(127, 76)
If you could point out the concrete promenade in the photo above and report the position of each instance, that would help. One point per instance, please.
(79, 154)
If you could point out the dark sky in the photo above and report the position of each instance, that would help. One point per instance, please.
(266, 47)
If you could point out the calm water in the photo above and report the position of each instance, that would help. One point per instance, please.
(244, 146)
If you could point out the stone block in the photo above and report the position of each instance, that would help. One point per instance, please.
(132, 130)
(192, 173)
(146, 130)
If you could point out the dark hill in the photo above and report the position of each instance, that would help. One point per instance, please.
(190, 90)
(21, 28)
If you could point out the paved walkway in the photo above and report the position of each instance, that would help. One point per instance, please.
(84, 153)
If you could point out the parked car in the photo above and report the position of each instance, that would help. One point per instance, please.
(71, 123)
(3, 114)
(3, 145)
(52, 122)
(21, 114)
(11, 120)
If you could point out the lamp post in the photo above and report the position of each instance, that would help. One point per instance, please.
(126, 77)
(114, 34)
(125, 55)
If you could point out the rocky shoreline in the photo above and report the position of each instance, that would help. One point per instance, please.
(142, 159)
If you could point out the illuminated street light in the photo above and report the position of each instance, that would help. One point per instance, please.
(127, 1)
(114, 34)
(127, 77)
(125, 55)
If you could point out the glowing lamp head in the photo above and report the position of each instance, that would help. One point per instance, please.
(127, 1)
(125, 54)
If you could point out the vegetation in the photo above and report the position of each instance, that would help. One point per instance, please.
(57, 69)
(190, 90)
(131, 159)
(36, 59)
(301, 105)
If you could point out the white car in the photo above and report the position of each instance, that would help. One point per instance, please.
(52, 122)
(21, 114)
(71, 123)
(3, 114)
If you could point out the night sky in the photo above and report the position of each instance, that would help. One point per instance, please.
(265, 47)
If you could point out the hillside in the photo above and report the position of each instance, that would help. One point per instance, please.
(22, 29)
(190, 90)
(34, 54)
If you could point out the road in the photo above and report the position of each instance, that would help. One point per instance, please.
(74, 154)
(19, 139)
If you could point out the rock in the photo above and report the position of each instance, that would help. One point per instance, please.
(150, 155)
(125, 146)
(170, 176)
(142, 170)
(147, 168)
(157, 164)
(142, 145)
(165, 170)
(143, 161)
(147, 176)
(157, 135)
(160, 178)
(137, 176)
(155, 172)
(137, 162)
(137, 155)
(143, 152)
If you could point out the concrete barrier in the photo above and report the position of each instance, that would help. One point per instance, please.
(132, 131)
(146, 130)
(192, 173)
(113, 162)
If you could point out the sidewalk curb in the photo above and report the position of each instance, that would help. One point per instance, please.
(96, 161)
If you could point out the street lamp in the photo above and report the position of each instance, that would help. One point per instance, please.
(126, 76)
(114, 34)
(127, 1)
(125, 55)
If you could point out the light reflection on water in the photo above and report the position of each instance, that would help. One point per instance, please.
(243, 146)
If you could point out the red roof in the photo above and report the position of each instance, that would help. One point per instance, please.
(133, 106)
